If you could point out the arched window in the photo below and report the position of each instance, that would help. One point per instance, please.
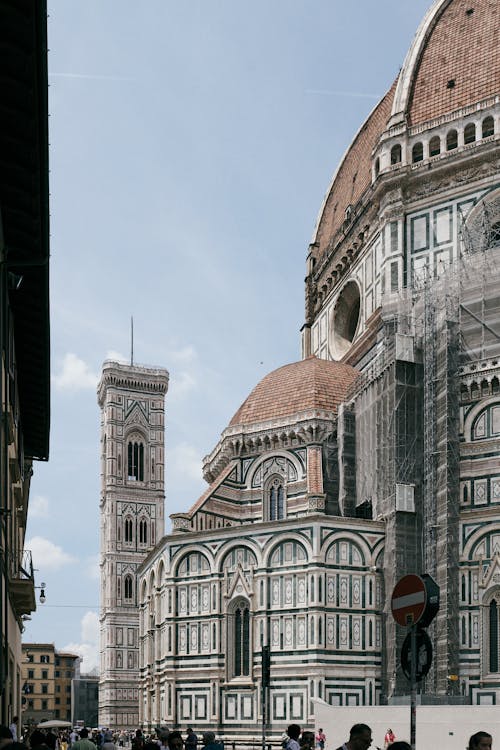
(470, 133)
(276, 499)
(135, 461)
(128, 535)
(451, 140)
(128, 587)
(143, 531)
(417, 152)
(435, 146)
(240, 631)
(396, 154)
(493, 636)
(487, 423)
(488, 127)
(495, 234)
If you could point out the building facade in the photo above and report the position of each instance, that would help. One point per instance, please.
(376, 455)
(38, 683)
(24, 318)
(132, 403)
(85, 700)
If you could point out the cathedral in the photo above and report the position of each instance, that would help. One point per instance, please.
(374, 456)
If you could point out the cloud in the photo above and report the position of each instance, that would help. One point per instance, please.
(38, 507)
(88, 649)
(182, 383)
(184, 461)
(185, 355)
(92, 567)
(75, 374)
(116, 356)
(47, 555)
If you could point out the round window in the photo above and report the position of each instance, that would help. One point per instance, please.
(344, 320)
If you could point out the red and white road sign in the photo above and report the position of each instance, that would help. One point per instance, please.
(409, 600)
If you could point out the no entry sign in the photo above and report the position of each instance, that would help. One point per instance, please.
(409, 599)
(415, 599)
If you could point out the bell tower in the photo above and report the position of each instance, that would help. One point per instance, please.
(132, 402)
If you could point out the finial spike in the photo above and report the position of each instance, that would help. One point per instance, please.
(131, 339)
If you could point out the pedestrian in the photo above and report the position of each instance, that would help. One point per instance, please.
(360, 738)
(175, 741)
(320, 739)
(306, 741)
(13, 728)
(138, 741)
(5, 736)
(209, 742)
(480, 741)
(191, 740)
(83, 743)
(293, 733)
(108, 743)
(389, 738)
(400, 745)
(73, 737)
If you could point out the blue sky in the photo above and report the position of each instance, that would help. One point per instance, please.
(191, 144)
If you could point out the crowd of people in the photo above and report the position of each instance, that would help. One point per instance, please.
(360, 738)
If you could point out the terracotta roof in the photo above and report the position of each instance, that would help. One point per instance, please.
(311, 383)
(463, 47)
(354, 174)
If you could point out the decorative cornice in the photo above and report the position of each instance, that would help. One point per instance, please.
(132, 377)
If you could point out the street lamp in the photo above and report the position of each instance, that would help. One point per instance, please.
(42, 592)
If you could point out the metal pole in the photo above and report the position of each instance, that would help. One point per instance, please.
(263, 698)
(413, 694)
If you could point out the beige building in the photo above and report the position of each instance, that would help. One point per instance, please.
(24, 315)
(47, 676)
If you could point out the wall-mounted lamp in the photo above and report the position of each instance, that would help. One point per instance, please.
(42, 592)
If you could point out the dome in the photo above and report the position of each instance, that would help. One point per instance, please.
(453, 62)
(301, 386)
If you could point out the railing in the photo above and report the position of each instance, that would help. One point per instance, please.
(20, 565)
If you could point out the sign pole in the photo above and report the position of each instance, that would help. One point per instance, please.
(413, 684)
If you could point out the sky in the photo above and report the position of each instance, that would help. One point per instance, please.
(191, 145)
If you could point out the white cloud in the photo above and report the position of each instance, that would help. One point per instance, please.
(47, 555)
(182, 383)
(38, 507)
(88, 649)
(90, 627)
(93, 570)
(75, 374)
(185, 355)
(184, 461)
(116, 356)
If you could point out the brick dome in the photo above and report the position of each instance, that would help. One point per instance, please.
(301, 386)
(453, 62)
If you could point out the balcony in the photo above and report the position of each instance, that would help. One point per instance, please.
(21, 582)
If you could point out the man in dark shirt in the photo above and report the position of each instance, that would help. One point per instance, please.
(191, 740)
(360, 738)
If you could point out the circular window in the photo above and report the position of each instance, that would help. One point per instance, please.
(345, 319)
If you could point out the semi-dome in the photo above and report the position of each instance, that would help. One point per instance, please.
(453, 62)
(295, 388)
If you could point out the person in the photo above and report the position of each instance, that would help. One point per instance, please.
(191, 739)
(389, 738)
(108, 743)
(13, 728)
(73, 737)
(209, 742)
(84, 743)
(175, 741)
(293, 733)
(360, 738)
(307, 741)
(480, 741)
(320, 739)
(138, 741)
(5, 736)
(399, 745)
